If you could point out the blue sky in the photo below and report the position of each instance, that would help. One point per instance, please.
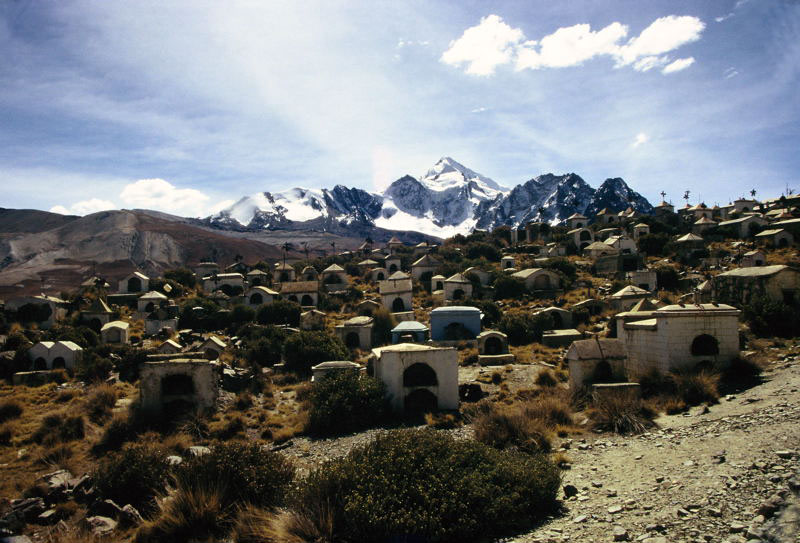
(184, 106)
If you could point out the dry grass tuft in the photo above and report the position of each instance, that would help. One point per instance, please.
(442, 421)
(188, 514)
(622, 414)
(100, 402)
(255, 525)
(546, 378)
(504, 428)
(10, 409)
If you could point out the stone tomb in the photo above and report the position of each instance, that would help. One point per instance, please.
(493, 349)
(356, 333)
(418, 378)
(178, 386)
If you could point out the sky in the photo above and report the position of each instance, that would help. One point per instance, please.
(185, 107)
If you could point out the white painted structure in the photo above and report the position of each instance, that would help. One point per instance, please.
(356, 333)
(115, 332)
(457, 287)
(682, 336)
(48, 355)
(418, 377)
(134, 283)
(147, 303)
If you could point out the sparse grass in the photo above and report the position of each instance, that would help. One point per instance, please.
(621, 414)
(10, 409)
(66, 395)
(100, 402)
(552, 408)
(504, 428)
(56, 455)
(227, 429)
(442, 421)
(195, 513)
(697, 387)
(58, 428)
(546, 378)
(243, 402)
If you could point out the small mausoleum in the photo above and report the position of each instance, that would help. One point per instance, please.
(115, 332)
(454, 323)
(356, 333)
(418, 378)
(409, 332)
(174, 387)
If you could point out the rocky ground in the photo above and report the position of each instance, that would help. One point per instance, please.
(730, 472)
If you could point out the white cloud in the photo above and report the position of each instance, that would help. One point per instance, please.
(662, 36)
(479, 110)
(84, 207)
(219, 206)
(645, 64)
(492, 43)
(484, 47)
(730, 72)
(161, 195)
(641, 138)
(570, 46)
(678, 65)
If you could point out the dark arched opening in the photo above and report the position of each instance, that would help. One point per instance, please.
(602, 373)
(39, 364)
(307, 300)
(558, 320)
(177, 385)
(293, 298)
(420, 401)
(393, 268)
(211, 354)
(455, 331)
(332, 279)
(284, 277)
(380, 276)
(398, 305)
(59, 363)
(493, 346)
(95, 324)
(134, 284)
(458, 294)
(783, 242)
(585, 235)
(705, 345)
(542, 282)
(149, 307)
(419, 375)
(352, 341)
(256, 299)
(439, 285)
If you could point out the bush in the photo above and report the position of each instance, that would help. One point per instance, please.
(345, 401)
(768, 318)
(491, 313)
(6, 433)
(426, 485)
(100, 402)
(135, 476)
(509, 288)
(279, 312)
(523, 328)
(382, 323)
(263, 346)
(58, 428)
(512, 428)
(10, 409)
(488, 251)
(552, 409)
(93, 367)
(181, 276)
(241, 314)
(305, 349)
(243, 473)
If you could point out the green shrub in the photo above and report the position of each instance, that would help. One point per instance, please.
(263, 345)
(382, 324)
(279, 312)
(523, 328)
(136, 475)
(345, 401)
(58, 428)
(507, 287)
(768, 318)
(243, 473)
(241, 314)
(182, 276)
(426, 485)
(93, 367)
(305, 349)
(10, 409)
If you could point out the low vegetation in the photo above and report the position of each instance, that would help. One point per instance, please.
(344, 402)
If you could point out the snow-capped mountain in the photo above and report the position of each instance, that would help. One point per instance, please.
(550, 198)
(616, 195)
(449, 199)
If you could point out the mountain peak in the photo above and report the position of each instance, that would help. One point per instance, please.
(448, 172)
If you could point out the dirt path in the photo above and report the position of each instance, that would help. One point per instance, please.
(698, 478)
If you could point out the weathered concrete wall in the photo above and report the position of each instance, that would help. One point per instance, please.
(155, 396)
(392, 361)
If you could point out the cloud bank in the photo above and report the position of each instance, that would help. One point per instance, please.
(155, 194)
(492, 43)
